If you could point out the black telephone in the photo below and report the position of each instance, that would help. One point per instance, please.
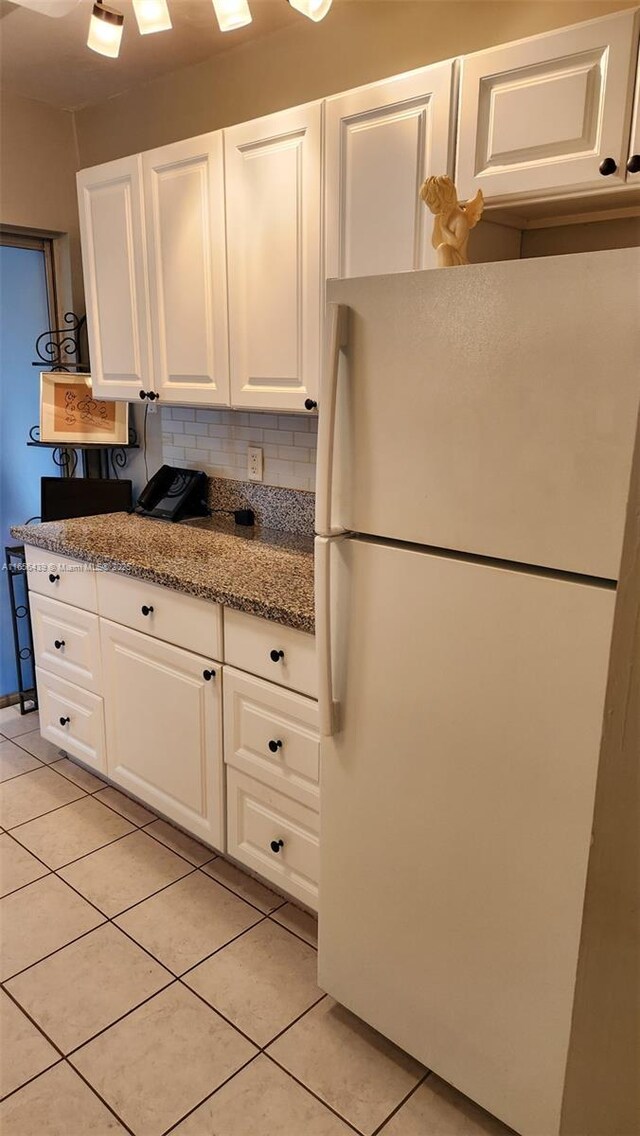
(173, 494)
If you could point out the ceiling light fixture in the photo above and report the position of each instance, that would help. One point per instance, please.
(232, 14)
(105, 30)
(315, 9)
(152, 16)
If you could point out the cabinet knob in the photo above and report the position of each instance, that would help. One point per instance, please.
(58, 644)
(275, 746)
(143, 394)
(146, 610)
(64, 721)
(152, 396)
(208, 675)
(276, 845)
(53, 579)
(633, 165)
(276, 656)
(310, 404)
(608, 166)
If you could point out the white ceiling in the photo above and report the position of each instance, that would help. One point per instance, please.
(47, 58)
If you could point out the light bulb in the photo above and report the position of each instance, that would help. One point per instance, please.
(152, 16)
(315, 9)
(105, 31)
(232, 14)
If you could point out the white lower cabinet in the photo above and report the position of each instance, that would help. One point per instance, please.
(274, 835)
(71, 718)
(148, 714)
(164, 728)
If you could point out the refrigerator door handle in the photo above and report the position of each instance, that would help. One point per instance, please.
(337, 324)
(326, 704)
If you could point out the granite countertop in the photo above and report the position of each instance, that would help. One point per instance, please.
(265, 572)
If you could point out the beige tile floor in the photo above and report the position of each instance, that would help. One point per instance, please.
(149, 986)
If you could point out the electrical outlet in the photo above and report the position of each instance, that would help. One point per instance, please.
(254, 463)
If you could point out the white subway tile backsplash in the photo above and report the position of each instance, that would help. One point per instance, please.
(217, 440)
(281, 437)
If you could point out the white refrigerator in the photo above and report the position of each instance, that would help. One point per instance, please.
(475, 444)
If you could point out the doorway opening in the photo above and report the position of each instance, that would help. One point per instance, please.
(27, 309)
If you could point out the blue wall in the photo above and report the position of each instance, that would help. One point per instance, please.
(23, 317)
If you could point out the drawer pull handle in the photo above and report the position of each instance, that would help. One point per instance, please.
(53, 579)
(275, 746)
(58, 644)
(276, 845)
(208, 675)
(65, 721)
(146, 610)
(276, 656)
(608, 166)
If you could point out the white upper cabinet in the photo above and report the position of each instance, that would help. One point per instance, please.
(633, 159)
(273, 198)
(550, 114)
(184, 204)
(115, 279)
(381, 142)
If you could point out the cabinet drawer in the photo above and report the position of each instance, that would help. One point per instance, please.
(67, 641)
(83, 734)
(257, 818)
(274, 652)
(272, 734)
(72, 581)
(172, 616)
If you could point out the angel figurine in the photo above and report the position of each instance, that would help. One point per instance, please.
(453, 219)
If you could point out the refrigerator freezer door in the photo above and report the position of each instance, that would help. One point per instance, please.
(457, 802)
(492, 409)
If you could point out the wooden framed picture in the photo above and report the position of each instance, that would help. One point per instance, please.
(70, 415)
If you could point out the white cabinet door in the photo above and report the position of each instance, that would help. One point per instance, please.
(539, 116)
(273, 171)
(184, 203)
(115, 280)
(164, 728)
(382, 141)
(633, 159)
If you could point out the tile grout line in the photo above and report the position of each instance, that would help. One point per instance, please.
(302, 1085)
(100, 1098)
(381, 1127)
(181, 1119)
(30, 1080)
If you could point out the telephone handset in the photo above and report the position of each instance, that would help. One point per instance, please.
(173, 494)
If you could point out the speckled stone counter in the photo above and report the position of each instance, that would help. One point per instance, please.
(262, 571)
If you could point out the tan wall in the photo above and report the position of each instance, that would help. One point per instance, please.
(360, 41)
(38, 162)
